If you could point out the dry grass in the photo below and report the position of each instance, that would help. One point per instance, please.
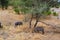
(23, 32)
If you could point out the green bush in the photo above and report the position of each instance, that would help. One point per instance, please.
(16, 10)
(55, 14)
(47, 12)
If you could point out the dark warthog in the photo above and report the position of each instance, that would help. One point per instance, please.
(18, 23)
(39, 29)
(1, 25)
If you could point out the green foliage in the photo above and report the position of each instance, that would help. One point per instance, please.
(16, 5)
(47, 13)
(14, 2)
(34, 6)
(53, 3)
(16, 10)
(55, 14)
(25, 10)
(4, 3)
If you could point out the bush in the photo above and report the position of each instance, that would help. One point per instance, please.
(16, 10)
(55, 14)
(47, 12)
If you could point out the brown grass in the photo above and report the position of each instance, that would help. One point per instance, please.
(23, 32)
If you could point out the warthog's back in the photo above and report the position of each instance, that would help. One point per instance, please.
(18, 23)
(39, 29)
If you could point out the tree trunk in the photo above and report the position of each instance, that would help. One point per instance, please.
(30, 21)
(37, 18)
(36, 23)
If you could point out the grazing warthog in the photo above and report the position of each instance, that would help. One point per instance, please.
(18, 23)
(1, 25)
(39, 29)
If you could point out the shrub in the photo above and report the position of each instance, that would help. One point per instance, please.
(47, 12)
(16, 10)
(55, 14)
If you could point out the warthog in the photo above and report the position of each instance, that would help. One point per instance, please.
(39, 29)
(18, 23)
(1, 25)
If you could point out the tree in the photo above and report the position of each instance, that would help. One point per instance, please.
(37, 8)
(54, 3)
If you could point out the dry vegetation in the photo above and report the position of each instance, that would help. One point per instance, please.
(9, 32)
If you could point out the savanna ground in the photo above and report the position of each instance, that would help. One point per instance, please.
(9, 32)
